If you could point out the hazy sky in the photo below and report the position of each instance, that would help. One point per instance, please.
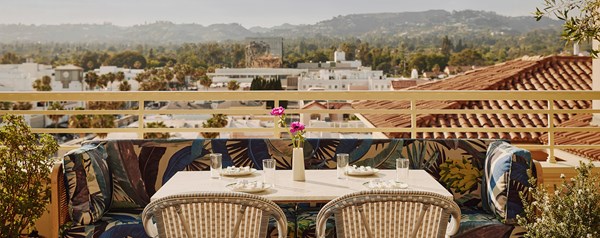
(246, 12)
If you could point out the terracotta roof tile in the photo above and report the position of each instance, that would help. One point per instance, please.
(578, 138)
(549, 73)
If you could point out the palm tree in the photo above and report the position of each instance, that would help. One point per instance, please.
(91, 78)
(110, 77)
(157, 135)
(43, 84)
(23, 106)
(120, 76)
(103, 121)
(233, 85)
(103, 81)
(124, 86)
(217, 121)
(55, 118)
(206, 82)
(80, 121)
(6, 105)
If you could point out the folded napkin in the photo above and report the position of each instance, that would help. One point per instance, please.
(361, 169)
(235, 170)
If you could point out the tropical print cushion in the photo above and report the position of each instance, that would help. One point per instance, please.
(506, 176)
(88, 184)
(112, 225)
(456, 163)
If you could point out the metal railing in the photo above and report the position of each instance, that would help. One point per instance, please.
(549, 98)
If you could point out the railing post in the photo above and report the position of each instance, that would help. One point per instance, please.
(413, 119)
(551, 158)
(140, 133)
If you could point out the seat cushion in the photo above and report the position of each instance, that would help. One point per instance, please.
(88, 183)
(472, 218)
(505, 176)
(112, 225)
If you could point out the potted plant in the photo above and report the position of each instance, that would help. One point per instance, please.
(25, 166)
(573, 210)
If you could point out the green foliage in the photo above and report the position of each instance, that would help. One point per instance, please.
(260, 83)
(581, 18)
(10, 58)
(127, 59)
(233, 85)
(467, 57)
(157, 135)
(25, 164)
(55, 118)
(572, 211)
(42, 84)
(216, 121)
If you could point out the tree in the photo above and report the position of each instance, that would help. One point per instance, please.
(55, 118)
(127, 59)
(22, 106)
(80, 121)
(103, 121)
(581, 27)
(233, 85)
(10, 58)
(216, 121)
(25, 162)
(6, 105)
(124, 86)
(157, 135)
(91, 79)
(205, 81)
(43, 84)
(446, 47)
(467, 57)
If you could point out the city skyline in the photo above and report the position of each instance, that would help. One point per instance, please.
(264, 13)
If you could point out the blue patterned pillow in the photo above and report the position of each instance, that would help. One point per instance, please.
(505, 176)
(88, 183)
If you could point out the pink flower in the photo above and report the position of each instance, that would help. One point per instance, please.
(296, 126)
(278, 111)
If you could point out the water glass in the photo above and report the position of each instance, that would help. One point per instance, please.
(402, 165)
(216, 164)
(342, 165)
(269, 166)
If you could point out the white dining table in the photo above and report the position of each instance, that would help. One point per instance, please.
(319, 186)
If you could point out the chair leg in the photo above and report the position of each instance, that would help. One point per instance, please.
(238, 221)
(365, 222)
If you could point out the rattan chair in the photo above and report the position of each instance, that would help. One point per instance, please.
(212, 214)
(391, 214)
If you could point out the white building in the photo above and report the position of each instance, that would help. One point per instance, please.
(245, 75)
(342, 75)
(20, 77)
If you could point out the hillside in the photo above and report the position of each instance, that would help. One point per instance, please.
(427, 23)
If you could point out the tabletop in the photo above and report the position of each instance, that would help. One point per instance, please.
(319, 186)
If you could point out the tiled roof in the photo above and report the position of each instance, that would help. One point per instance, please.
(578, 138)
(549, 73)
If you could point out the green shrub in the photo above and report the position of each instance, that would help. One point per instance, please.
(572, 211)
(25, 166)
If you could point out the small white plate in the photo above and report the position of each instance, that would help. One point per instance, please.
(358, 172)
(385, 184)
(226, 172)
(249, 187)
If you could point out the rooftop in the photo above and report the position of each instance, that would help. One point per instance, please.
(528, 73)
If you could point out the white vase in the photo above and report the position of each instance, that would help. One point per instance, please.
(298, 164)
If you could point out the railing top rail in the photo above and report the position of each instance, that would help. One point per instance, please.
(301, 95)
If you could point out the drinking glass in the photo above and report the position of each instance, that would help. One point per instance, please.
(269, 166)
(216, 164)
(402, 165)
(342, 165)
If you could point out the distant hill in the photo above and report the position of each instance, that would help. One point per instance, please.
(433, 22)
